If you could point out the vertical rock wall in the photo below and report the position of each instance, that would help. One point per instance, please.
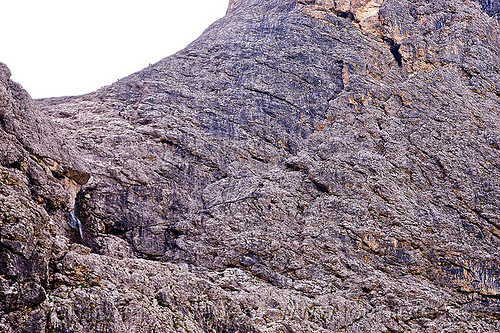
(310, 166)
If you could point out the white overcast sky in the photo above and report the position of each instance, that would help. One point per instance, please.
(70, 47)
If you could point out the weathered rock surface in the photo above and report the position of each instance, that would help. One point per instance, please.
(304, 166)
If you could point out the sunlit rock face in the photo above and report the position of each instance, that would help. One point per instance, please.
(363, 13)
(232, 4)
(304, 166)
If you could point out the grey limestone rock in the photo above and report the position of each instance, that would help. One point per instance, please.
(303, 166)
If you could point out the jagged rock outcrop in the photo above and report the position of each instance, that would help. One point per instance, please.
(304, 166)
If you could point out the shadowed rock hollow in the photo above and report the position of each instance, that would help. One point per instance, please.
(303, 166)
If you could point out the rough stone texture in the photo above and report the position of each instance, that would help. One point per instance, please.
(491, 7)
(304, 166)
(34, 193)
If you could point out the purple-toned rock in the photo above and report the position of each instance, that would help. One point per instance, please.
(303, 166)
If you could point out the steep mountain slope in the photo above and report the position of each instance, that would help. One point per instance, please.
(304, 166)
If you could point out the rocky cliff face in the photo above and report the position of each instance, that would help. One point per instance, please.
(304, 166)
